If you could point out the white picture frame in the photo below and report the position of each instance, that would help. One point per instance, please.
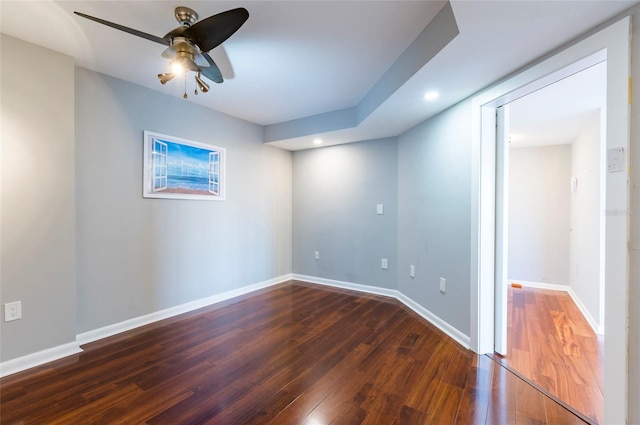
(176, 168)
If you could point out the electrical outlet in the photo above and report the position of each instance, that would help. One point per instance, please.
(316, 255)
(384, 263)
(443, 285)
(412, 271)
(12, 311)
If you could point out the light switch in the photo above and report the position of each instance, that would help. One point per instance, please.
(380, 209)
(574, 185)
(615, 160)
(412, 271)
(384, 264)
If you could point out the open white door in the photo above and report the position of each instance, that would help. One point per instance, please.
(502, 221)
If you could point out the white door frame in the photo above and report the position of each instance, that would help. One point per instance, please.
(613, 44)
(502, 228)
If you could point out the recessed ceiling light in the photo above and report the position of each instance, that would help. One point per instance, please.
(431, 95)
(317, 142)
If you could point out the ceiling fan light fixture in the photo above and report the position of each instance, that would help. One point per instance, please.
(176, 68)
(165, 77)
(204, 87)
(188, 45)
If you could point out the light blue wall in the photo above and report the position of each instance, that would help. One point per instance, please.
(335, 191)
(137, 255)
(424, 180)
(37, 261)
(434, 212)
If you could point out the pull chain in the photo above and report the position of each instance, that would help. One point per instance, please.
(185, 86)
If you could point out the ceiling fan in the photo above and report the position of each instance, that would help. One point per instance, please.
(189, 44)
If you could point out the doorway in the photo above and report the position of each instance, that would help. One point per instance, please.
(610, 44)
(553, 253)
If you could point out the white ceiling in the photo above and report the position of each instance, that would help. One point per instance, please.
(295, 59)
(557, 113)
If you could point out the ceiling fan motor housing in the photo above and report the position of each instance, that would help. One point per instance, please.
(186, 16)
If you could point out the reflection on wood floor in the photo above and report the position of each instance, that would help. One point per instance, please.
(288, 355)
(550, 343)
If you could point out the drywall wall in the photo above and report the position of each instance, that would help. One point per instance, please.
(539, 213)
(336, 190)
(434, 198)
(137, 255)
(586, 212)
(37, 260)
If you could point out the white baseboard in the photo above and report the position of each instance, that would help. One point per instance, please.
(41, 357)
(541, 285)
(127, 325)
(578, 302)
(56, 353)
(583, 309)
(445, 327)
(376, 290)
(38, 358)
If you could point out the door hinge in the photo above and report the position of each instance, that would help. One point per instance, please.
(630, 90)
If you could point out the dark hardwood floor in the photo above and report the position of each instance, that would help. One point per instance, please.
(292, 354)
(550, 343)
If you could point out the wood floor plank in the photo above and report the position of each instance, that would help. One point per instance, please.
(139, 407)
(564, 355)
(382, 408)
(558, 415)
(96, 408)
(445, 407)
(530, 404)
(503, 398)
(246, 407)
(477, 393)
(350, 415)
(409, 416)
(313, 389)
(289, 355)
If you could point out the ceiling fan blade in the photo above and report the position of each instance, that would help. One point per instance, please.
(214, 30)
(212, 72)
(149, 37)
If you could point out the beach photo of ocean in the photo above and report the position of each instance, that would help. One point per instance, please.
(180, 170)
(187, 169)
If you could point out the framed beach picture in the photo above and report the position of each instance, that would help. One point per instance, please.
(181, 169)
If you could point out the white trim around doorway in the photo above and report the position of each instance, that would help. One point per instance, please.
(611, 44)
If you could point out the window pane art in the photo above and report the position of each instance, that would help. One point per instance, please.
(176, 168)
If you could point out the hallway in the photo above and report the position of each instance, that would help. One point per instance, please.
(550, 343)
